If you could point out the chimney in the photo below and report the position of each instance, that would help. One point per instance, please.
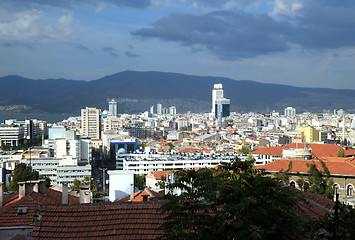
(65, 193)
(84, 194)
(21, 189)
(167, 181)
(1, 193)
(132, 192)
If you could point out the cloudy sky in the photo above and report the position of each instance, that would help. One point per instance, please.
(308, 43)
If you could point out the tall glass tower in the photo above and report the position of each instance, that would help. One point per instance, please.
(217, 93)
(112, 107)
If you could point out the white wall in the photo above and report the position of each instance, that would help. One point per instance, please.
(120, 181)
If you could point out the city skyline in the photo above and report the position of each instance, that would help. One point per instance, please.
(297, 43)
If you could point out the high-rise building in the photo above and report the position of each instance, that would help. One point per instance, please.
(290, 111)
(91, 122)
(159, 108)
(112, 107)
(152, 110)
(217, 93)
(172, 110)
(222, 108)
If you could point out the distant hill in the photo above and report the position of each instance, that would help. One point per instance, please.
(137, 91)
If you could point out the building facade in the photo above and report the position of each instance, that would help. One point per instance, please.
(91, 122)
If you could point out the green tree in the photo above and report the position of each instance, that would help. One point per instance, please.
(235, 201)
(139, 181)
(341, 152)
(245, 150)
(338, 225)
(75, 186)
(171, 146)
(22, 172)
(318, 181)
(284, 176)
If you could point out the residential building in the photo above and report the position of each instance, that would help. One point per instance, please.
(91, 122)
(290, 112)
(159, 109)
(11, 135)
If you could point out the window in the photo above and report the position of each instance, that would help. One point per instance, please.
(349, 190)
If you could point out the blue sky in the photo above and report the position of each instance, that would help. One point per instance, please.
(307, 43)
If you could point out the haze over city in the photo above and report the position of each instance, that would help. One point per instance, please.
(298, 43)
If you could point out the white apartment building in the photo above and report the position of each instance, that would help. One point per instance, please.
(11, 135)
(290, 111)
(91, 122)
(59, 170)
(142, 163)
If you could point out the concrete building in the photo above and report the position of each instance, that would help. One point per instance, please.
(217, 93)
(159, 109)
(222, 108)
(112, 107)
(172, 110)
(290, 111)
(91, 122)
(11, 135)
(309, 134)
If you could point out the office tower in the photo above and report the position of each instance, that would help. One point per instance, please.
(112, 107)
(172, 110)
(222, 107)
(290, 111)
(159, 108)
(217, 93)
(91, 122)
(152, 110)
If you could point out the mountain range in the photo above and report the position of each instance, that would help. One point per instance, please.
(137, 91)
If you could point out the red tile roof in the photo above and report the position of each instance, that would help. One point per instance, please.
(138, 196)
(334, 167)
(9, 216)
(125, 221)
(318, 150)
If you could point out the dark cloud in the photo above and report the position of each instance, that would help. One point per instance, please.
(131, 54)
(140, 4)
(234, 35)
(82, 48)
(229, 35)
(110, 50)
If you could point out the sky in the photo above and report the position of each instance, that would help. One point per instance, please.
(305, 43)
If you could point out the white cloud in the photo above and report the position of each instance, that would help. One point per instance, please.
(34, 25)
(286, 8)
(25, 25)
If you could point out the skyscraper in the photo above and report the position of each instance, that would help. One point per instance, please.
(222, 108)
(91, 122)
(172, 110)
(159, 108)
(112, 107)
(217, 93)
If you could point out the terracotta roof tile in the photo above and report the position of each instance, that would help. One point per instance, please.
(334, 167)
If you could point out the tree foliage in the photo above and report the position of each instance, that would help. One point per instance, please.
(341, 152)
(235, 201)
(284, 176)
(318, 181)
(339, 225)
(22, 173)
(245, 150)
(139, 181)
